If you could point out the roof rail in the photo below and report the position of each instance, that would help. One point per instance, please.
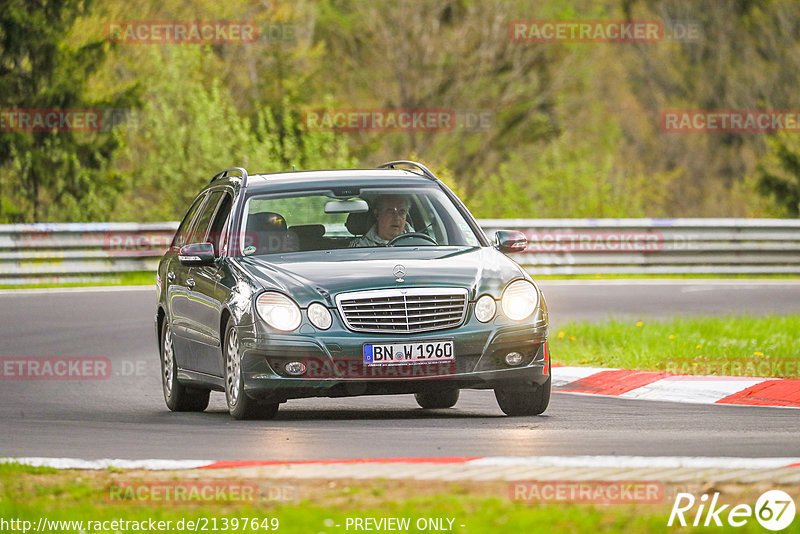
(224, 174)
(420, 166)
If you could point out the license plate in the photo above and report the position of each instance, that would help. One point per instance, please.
(405, 353)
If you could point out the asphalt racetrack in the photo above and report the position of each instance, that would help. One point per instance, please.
(124, 416)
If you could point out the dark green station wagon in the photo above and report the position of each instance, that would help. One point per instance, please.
(337, 283)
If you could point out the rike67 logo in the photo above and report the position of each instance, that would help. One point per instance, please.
(774, 510)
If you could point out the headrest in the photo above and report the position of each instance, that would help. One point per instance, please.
(359, 223)
(267, 221)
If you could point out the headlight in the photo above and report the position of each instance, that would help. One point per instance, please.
(519, 300)
(278, 311)
(319, 316)
(485, 309)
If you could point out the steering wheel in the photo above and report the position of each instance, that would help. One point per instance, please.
(411, 235)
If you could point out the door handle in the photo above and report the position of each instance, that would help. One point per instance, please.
(190, 283)
(171, 276)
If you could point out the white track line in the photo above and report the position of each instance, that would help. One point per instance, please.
(634, 462)
(695, 391)
(606, 462)
(77, 463)
(690, 389)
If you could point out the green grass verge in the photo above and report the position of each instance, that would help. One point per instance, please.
(726, 346)
(143, 278)
(322, 506)
(11, 468)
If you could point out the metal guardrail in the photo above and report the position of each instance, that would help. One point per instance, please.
(657, 246)
(64, 252)
(36, 253)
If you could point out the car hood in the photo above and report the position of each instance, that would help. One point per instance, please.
(321, 275)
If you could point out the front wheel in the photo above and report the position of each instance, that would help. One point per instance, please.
(240, 406)
(178, 397)
(437, 399)
(524, 399)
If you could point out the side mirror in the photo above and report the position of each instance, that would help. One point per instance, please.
(510, 241)
(197, 254)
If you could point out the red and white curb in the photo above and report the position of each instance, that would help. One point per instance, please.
(667, 469)
(652, 385)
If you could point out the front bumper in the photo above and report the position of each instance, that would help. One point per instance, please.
(335, 368)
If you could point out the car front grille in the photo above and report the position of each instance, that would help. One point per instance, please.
(403, 310)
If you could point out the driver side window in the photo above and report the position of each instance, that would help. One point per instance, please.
(182, 234)
(200, 231)
(217, 233)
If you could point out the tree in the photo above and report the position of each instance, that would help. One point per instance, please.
(779, 172)
(54, 174)
(444, 54)
(189, 128)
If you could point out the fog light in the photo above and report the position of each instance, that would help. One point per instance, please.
(295, 368)
(513, 358)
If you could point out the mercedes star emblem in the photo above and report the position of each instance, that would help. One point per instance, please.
(399, 273)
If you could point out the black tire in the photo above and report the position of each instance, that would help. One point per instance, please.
(437, 399)
(524, 400)
(178, 397)
(240, 406)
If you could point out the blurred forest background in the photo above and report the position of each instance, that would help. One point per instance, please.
(575, 127)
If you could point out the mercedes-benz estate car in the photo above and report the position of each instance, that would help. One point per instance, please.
(334, 283)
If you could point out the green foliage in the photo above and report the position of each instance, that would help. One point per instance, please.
(573, 132)
(779, 172)
(571, 177)
(188, 129)
(52, 175)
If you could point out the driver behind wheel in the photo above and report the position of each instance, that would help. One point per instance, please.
(391, 212)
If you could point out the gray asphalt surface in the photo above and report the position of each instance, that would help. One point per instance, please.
(124, 416)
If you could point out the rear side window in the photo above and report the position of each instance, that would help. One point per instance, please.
(181, 236)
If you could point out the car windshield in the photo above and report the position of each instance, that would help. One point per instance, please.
(319, 220)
